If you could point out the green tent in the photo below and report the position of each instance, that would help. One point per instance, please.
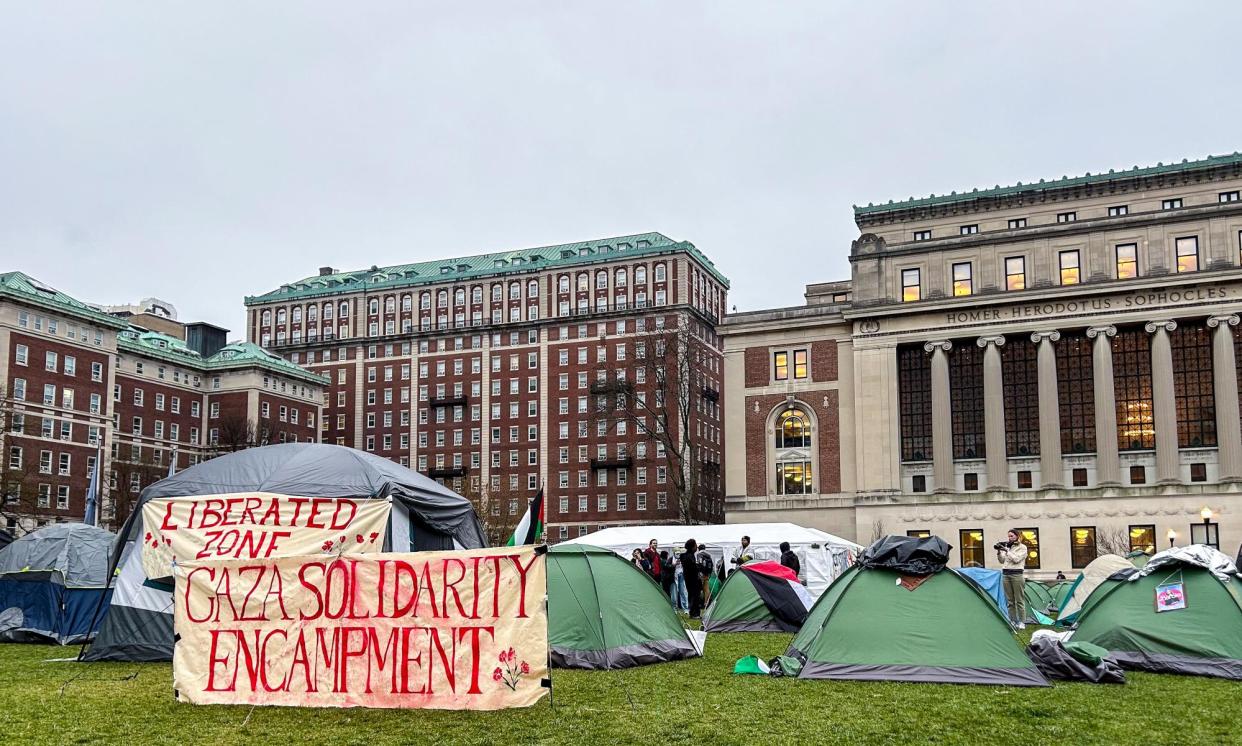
(869, 626)
(1044, 598)
(1202, 639)
(605, 613)
(759, 597)
(1095, 574)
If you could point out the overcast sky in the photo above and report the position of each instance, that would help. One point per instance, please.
(199, 152)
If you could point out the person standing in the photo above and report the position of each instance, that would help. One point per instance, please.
(1012, 554)
(706, 566)
(678, 592)
(667, 575)
(789, 559)
(694, 586)
(652, 555)
(742, 554)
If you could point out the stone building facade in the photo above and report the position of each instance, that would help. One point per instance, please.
(501, 373)
(78, 385)
(1059, 357)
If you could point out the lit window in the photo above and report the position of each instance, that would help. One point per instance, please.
(1017, 223)
(1118, 211)
(1171, 204)
(1069, 267)
(1066, 217)
(1127, 261)
(1187, 254)
(962, 281)
(1030, 537)
(968, 230)
(922, 235)
(1228, 196)
(1015, 273)
(909, 285)
(799, 364)
(1082, 546)
(781, 363)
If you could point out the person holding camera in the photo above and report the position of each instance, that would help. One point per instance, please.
(1011, 554)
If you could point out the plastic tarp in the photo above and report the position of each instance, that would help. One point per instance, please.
(426, 516)
(822, 555)
(989, 581)
(1055, 662)
(1199, 555)
(907, 555)
(1093, 575)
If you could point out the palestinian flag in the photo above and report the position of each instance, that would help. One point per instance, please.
(530, 528)
(760, 597)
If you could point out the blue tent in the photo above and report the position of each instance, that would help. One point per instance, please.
(51, 582)
(990, 582)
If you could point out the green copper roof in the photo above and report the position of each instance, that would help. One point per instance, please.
(231, 356)
(482, 265)
(24, 288)
(1160, 169)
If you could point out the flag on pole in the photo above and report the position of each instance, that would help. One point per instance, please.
(92, 492)
(531, 526)
(172, 463)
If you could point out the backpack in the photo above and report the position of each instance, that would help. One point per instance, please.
(705, 564)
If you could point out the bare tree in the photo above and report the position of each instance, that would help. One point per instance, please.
(20, 475)
(134, 468)
(492, 507)
(234, 432)
(661, 402)
(1112, 540)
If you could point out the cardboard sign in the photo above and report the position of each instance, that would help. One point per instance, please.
(256, 525)
(451, 630)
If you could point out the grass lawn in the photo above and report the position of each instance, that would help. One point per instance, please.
(697, 701)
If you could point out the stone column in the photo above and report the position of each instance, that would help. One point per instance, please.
(995, 450)
(1051, 471)
(1164, 402)
(1225, 386)
(942, 417)
(1107, 465)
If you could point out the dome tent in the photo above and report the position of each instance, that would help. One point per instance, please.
(900, 615)
(1202, 637)
(51, 582)
(604, 612)
(760, 597)
(1097, 572)
(426, 515)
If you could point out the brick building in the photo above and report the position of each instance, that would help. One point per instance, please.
(498, 373)
(79, 384)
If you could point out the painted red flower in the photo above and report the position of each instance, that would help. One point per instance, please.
(327, 546)
(497, 675)
(525, 667)
(358, 538)
(374, 535)
(512, 655)
(148, 536)
(502, 658)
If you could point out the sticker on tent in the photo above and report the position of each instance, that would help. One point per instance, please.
(256, 525)
(1170, 597)
(463, 630)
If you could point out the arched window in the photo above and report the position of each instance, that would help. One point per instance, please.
(312, 313)
(373, 306)
(564, 283)
(406, 303)
(476, 295)
(297, 315)
(584, 281)
(344, 310)
(793, 448)
(515, 290)
(601, 280)
(459, 297)
(327, 311)
(640, 275)
(442, 299)
(280, 316)
(621, 277)
(390, 304)
(267, 318)
(532, 289)
(424, 300)
(659, 273)
(496, 291)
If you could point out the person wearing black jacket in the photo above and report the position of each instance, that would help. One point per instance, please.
(694, 584)
(789, 559)
(668, 573)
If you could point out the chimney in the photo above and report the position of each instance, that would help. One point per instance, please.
(325, 271)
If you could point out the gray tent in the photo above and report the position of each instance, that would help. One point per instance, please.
(51, 583)
(5, 538)
(425, 516)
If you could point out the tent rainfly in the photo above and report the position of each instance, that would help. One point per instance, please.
(137, 625)
(51, 582)
(604, 612)
(1180, 613)
(763, 596)
(990, 582)
(898, 615)
(822, 555)
(1095, 574)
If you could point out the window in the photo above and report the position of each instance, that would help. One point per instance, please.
(1030, 537)
(1171, 204)
(793, 429)
(1066, 217)
(1082, 546)
(1143, 539)
(1069, 267)
(919, 533)
(799, 364)
(1078, 477)
(973, 550)
(1187, 254)
(793, 478)
(49, 361)
(1118, 211)
(1015, 273)
(22, 354)
(966, 397)
(780, 362)
(1017, 223)
(968, 230)
(962, 281)
(1136, 429)
(1138, 475)
(922, 235)
(1228, 196)
(914, 395)
(910, 285)
(1024, 480)
(1020, 384)
(1191, 344)
(970, 481)
(1127, 261)
(1198, 472)
(918, 483)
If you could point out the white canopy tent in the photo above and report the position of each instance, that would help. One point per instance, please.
(822, 555)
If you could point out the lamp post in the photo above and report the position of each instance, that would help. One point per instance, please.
(1206, 515)
(1172, 537)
